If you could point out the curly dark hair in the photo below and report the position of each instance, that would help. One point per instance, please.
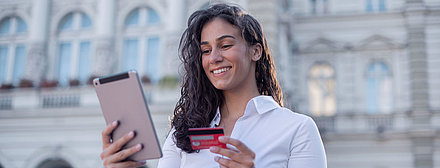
(199, 98)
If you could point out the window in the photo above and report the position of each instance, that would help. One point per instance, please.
(131, 54)
(19, 60)
(151, 63)
(153, 17)
(12, 50)
(12, 25)
(135, 17)
(379, 88)
(3, 63)
(66, 23)
(318, 6)
(74, 49)
(5, 26)
(141, 44)
(85, 21)
(321, 85)
(375, 5)
(84, 61)
(65, 50)
(132, 19)
(54, 163)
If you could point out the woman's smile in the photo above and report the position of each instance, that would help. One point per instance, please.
(221, 71)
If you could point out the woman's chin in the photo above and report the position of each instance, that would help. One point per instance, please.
(221, 86)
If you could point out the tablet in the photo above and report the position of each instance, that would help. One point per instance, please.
(122, 98)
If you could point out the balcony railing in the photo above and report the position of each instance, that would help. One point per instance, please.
(29, 98)
(60, 100)
(361, 122)
(5, 102)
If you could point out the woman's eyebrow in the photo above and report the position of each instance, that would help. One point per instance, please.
(218, 39)
(225, 36)
(204, 43)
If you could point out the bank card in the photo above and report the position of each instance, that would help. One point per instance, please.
(203, 138)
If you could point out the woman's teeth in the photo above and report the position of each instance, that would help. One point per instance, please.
(221, 70)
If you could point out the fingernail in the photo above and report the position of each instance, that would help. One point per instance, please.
(138, 146)
(131, 134)
(115, 123)
(222, 138)
(213, 148)
(142, 162)
(216, 158)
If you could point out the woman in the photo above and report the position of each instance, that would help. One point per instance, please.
(230, 82)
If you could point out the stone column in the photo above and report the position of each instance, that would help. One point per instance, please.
(421, 132)
(36, 62)
(284, 67)
(177, 20)
(174, 24)
(105, 57)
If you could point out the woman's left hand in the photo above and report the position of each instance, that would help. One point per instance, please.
(243, 157)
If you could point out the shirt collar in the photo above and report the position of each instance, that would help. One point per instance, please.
(260, 104)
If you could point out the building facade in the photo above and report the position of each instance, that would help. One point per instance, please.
(367, 71)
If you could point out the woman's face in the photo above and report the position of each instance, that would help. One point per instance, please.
(226, 57)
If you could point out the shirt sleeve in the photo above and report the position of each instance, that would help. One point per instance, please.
(307, 149)
(171, 154)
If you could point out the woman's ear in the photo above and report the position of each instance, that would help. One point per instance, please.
(257, 50)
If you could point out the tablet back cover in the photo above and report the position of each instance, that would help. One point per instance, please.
(121, 98)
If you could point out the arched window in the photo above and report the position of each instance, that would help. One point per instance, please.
(13, 34)
(379, 88)
(54, 163)
(141, 47)
(74, 49)
(321, 85)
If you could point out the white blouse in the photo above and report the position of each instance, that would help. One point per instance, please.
(279, 137)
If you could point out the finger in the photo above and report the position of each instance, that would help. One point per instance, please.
(238, 157)
(127, 164)
(225, 152)
(106, 134)
(117, 145)
(238, 144)
(226, 163)
(123, 154)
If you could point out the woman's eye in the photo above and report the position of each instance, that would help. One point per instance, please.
(226, 46)
(205, 51)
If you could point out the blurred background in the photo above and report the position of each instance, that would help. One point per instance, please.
(367, 71)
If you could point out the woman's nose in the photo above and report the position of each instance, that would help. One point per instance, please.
(215, 57)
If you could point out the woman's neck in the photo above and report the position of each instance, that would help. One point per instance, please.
(236, 101)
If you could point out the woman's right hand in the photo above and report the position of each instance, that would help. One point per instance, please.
(112, 156)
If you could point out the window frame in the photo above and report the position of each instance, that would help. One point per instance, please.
(377, 95)
(75, 36)
(332, 77)
(142, 32)
(12, 40)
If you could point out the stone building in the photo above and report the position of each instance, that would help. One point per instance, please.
(367, 71)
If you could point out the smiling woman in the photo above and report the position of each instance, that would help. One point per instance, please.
(230, 82)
